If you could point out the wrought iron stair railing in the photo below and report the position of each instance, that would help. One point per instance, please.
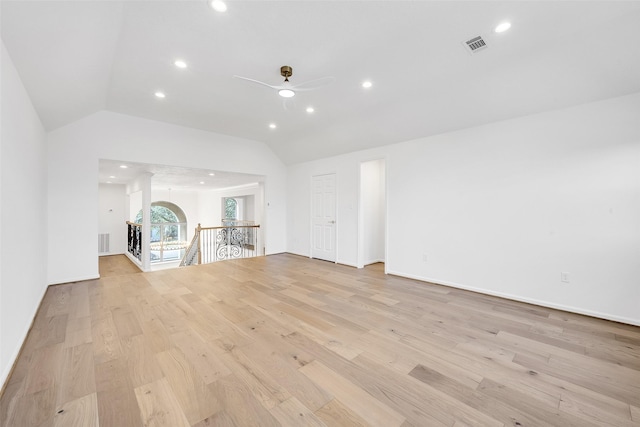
(134, 239)
(212, 244)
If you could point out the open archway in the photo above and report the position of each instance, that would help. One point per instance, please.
(168, 231)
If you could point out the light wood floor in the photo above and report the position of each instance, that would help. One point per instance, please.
(284, 340)
(116, 265)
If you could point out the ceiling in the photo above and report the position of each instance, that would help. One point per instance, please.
(79, 57)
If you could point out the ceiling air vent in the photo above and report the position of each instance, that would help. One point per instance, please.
(475, 44)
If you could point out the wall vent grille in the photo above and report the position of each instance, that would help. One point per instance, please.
(475, 44)
(103, 243)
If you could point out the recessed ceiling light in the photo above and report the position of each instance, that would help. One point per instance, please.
(212, 174)
(218, 5)
(201, 182)
(272, 125)
(108, 182)
(180, 63)
(123, 166)
(160, 94)
(310, 110)
(112, 177)
(367, 84)
(502, 27)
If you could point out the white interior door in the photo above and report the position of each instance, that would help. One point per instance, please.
(324, 217)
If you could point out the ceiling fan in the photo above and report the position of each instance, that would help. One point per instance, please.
(286, 89)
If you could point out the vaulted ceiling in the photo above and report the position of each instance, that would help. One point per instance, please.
(79, 57)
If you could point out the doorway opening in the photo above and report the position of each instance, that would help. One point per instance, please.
(372, 213)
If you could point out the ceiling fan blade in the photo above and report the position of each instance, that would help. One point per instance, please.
(258, 82)
(313, 84)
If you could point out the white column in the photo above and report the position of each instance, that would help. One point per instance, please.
(145, 186)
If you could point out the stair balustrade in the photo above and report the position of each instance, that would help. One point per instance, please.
(212, 244)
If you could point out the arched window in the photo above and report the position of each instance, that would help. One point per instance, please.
(159, 214)
(168, 231)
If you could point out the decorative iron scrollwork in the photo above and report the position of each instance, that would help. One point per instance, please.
(229, 243)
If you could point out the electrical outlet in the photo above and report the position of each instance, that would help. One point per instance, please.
(424, 257)
(564, 277)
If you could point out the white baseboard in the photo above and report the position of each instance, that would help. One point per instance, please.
(110, 253)
(349, 264)
(547, 304)
(297, 253)
(73, 279)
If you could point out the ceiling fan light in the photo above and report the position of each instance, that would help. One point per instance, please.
(286, 93)
(218, 5)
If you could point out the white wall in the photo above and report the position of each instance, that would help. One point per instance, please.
(112, 215)
(74, 151)
(211, 204)
(347, 170)
(211, 208)
(134, 201)
(505, 208)
(23, 229)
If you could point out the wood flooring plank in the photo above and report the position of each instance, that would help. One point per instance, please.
(264, 388)
(288, 376)
(405, 358)
(599, 381)
(421, 403)
(104, 338)
(47, 331)
(360, 402)
(546, 414)
(45, 362)
(158, 337)
(219, 419)
(299, 294)
(126, 322)
(9, 403)
(79, 304)
(142, 366)
(78, 331)
(58, 300)
(119, 407)
(34, 409)
(384, 299)
(240, 403)
(112, 374)
(335, 413)
(292, 413)
(81, 412)
(495, 408)
(201, 355)
(594, 411)
(195, 398)
(159, 407)
(116, 265)
(76, 378)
